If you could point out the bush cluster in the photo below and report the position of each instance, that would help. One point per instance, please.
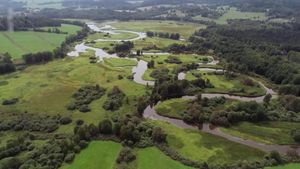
(30, 122)
(84, 96)
(114, 100)
(10, 101)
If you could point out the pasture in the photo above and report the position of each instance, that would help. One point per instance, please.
(55, 82)
(172, 108)
(149, 158)
(233, 13)
(98, 155)
(287, 166)
(222, 84)
(184, 29)
(199, 146)
(23, 42)
(265, 132)
(57, 4)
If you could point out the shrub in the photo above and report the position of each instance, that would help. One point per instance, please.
(105, 127)
(10, 101)
(126, 155)
(65, 120)
(158, 135)
(114, 100)
(69, 157)
(84, 96)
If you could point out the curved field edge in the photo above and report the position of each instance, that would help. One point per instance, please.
(149, 158)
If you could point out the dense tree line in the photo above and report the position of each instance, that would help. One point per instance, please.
(263, 50)
(24, 23)
(6, 64)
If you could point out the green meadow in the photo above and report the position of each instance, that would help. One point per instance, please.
(223, 84)
(185, 29)
(233, 13)
(287, 166)
(23, 42)
(98, 155)
(149, 158)
(57, 4)
(172, 108)
(200, 146)
(160, 62)
(176, 108)
(265, 132)
(118, 36)
(55, 82)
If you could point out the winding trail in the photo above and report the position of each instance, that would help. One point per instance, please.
(150, 112)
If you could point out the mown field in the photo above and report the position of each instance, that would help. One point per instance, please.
(43, 3)
(98, 155)
(223, 84)
(199, 146)
(185, 29)
(23, 42)
(54, 84)
(265, 132)
(150, 158)
(233, 13)
(288, 166)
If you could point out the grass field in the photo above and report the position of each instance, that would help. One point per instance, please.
(119, 36)
(265, 132)
(98, 155)
(160, 43)
(288, 166)
(150, 158)
(199, 146)
(23, 42)
(146, 44)
(185, 29)
(160, 62)
(57, 4)
(175, 108)
(172, 108)
(54, 84)
(116, 62)
(225, 85)
(233, 13)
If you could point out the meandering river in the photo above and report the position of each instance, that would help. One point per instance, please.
(150, 112)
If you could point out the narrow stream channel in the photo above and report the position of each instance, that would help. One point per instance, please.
(150, 113)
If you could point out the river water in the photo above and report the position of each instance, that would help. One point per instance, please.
(150, 113)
